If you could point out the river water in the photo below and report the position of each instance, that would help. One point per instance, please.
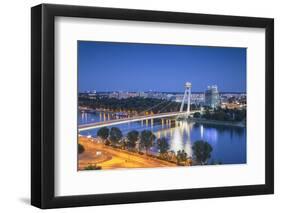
(228, 142)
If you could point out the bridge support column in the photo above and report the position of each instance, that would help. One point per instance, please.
(187, 90)
(188, 101)
(182, 103)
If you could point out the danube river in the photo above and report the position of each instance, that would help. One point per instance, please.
(228, 142)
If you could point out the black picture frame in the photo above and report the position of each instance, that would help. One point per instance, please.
(43, 110)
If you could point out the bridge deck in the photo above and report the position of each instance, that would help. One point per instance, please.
(130, 119)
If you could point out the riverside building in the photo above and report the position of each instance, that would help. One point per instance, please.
(212, 98)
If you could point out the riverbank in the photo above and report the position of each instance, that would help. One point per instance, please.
(107, 157)
(215, 122)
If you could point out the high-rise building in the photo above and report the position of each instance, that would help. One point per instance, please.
(212, 97)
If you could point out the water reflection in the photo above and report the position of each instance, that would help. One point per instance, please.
(176, 142)
(228, 142)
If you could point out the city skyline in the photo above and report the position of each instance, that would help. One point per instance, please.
(131, 67)
(180, 92)
(154, 105)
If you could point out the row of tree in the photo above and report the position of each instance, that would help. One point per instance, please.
(138, 104)
(146, 139)
(115, 137)
(220, 114)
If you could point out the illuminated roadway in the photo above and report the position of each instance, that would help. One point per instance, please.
(95, 125)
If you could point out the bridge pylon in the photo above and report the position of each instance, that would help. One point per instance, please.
(187, 92)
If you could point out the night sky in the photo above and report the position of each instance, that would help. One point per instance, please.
(111, 66)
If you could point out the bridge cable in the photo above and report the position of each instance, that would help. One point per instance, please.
(153, 107)
(165, 106)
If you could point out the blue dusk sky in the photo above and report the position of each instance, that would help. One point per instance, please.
(111, 66)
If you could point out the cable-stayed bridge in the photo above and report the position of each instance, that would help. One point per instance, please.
(95, 125)
(180, 113)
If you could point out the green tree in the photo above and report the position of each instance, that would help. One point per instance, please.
(197, 115)
(146, 139)
(220, 115)
(181, 156)
(207, 114)
(81, 148)
(103, 133)
(138, 104)
(123, 143)
(163, 145)
(92, 167)
(132, 137)
(202, 151)
(115, 135)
